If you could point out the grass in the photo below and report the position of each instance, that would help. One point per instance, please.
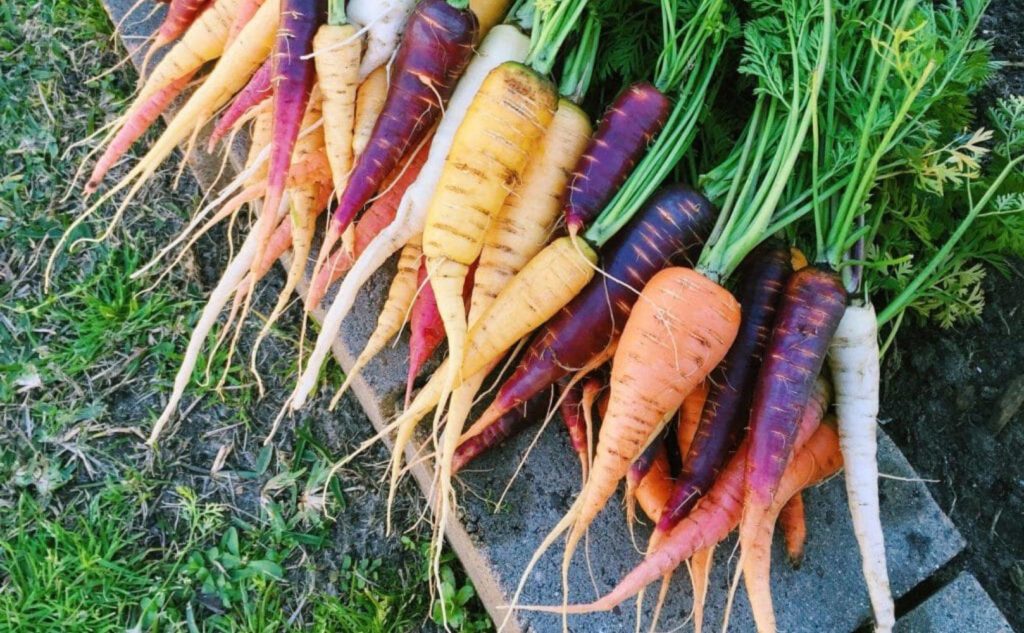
(214, 532)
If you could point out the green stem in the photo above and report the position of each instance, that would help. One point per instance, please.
(551, 27)
(904, 299)
(579, 64)
(336, 13)
(461, 5)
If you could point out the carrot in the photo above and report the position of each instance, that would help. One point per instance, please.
(227, 77)
(502, 44)
(812, 305)
(626, 129)
(392, 316)
(721, 424)
(369, 102)
(507, 426)
(378, 217)
(259, 138)
(700, 577)
(679, 330)
(246, 10)
(853, 357)
(306, 203)
(655, 487)
(292, 77)
(426, 331)
(435, 48)
(180, 15)
(488, 13)
(717, 514)
(203, 41)
(690, 412)
(136, 122)
(794, 529)
(255, 92)
(337, 48)
(671, 227)
(384, 21)
(819, 459)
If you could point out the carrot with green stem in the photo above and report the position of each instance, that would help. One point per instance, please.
(905, 80)
(723, 418)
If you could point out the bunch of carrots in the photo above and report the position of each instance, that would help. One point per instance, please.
(691, 347)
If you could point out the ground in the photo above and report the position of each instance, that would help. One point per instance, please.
(98, 534)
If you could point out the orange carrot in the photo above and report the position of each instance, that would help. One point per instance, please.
(689, 417)
(794, 528)
(819, 459)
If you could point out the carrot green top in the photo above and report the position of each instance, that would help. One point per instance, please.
(553, 21)
(578, 68)
(336, 13)
(786, 50)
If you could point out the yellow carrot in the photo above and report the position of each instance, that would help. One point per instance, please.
(338, 76)
(369, 102)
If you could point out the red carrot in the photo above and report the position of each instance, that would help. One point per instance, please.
(794, 529)
(626, 129)
(180, 15)
(574, 415)
(380, 214)
(505, 427)
(435, 49)
(255, 92)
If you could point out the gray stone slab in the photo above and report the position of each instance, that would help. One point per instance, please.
(826, 594)
(962, 605)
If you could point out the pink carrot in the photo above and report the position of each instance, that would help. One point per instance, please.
(180, 15)
(246, 10)
(136, 123)
(255, 92)
(574, 415)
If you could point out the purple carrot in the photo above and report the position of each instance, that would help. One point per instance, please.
(633, 119)
(642, 464)
(436, 47)
(426, 330)
(730, 390)
(292, 78)
(508, 425)
(809, 312)
(255, 92)
(671, 228)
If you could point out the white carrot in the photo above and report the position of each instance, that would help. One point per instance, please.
(854, 358)
(384, 21)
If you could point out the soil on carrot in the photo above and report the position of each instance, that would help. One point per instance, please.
(942, 391)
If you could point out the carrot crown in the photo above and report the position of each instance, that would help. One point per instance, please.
(336, 13)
